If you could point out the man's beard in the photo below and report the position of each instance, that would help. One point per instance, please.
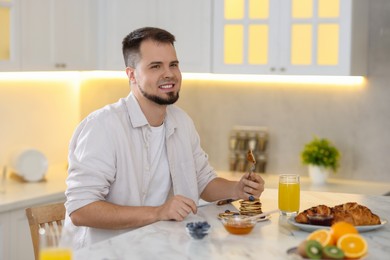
(171, 99)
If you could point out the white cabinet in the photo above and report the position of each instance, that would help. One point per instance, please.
(9, 36)
(88, 34)
(299, 37)
(188, 20)
(4, 236)
(58, 35)
(118, 18)
(20, 239)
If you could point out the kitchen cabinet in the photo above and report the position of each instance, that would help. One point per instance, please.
(9, 38)
(297, 37)
(188, 20)
(58, 35)
(4, 232)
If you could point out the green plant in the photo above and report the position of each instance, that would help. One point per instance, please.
(321, 152)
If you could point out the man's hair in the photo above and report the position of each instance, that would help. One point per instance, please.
(132, 42)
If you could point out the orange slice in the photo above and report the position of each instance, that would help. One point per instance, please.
(353, 245)
(321, 235)
(341, 228)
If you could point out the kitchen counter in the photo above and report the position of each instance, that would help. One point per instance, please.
(20, 195)
(332, 185)
(269, 240)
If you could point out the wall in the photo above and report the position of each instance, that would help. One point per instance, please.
(44, 113)
(38, 112)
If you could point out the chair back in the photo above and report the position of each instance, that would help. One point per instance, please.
(50, 216)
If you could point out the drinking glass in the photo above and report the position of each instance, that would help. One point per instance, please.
(54, 244)
(289, 194)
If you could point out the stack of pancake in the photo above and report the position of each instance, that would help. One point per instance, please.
(250, 207)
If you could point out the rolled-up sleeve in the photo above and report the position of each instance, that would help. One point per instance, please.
(91, 165)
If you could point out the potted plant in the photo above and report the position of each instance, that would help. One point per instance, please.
(322, 157)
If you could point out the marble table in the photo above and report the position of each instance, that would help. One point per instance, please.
(269, 240)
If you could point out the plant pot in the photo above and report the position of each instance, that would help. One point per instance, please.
(318, 174)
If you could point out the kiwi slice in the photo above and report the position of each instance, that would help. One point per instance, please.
(332, 252)
(310, 249)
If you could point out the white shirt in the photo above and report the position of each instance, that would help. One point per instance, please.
(109, 160)
(160, 182)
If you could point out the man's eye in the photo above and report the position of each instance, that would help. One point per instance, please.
(175, 65)
(155, 67)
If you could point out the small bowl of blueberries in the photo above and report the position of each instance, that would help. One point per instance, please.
(198, 230)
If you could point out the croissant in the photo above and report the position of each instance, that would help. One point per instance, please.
(361, 214)
(352, 212)
(320, 210)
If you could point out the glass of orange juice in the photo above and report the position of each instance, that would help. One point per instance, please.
(52, 246)
(289, 194)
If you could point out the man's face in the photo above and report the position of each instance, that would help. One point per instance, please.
(157, 75)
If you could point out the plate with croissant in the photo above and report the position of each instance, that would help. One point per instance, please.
(322, 216)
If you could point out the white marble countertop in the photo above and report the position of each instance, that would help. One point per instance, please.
(332, 185)
(269, 240)
(19, 195)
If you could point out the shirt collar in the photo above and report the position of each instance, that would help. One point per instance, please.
(138, 119)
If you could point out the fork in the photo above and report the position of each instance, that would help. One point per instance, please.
(251, 158)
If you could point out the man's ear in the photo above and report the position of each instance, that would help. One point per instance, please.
(131, 74)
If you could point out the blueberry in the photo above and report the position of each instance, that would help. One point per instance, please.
(251, 198)
(198, 230)
(227, 211)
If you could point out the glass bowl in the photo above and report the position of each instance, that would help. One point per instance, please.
(238, 224)
(320, 220)
(198, 230)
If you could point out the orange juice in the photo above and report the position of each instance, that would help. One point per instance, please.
(55, 254)
(289, 194)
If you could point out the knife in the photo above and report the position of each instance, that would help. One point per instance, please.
(264, 214)
(218, 202)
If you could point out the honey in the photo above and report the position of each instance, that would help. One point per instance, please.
(239, 229)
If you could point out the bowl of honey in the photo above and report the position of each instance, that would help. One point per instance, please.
(238, 224)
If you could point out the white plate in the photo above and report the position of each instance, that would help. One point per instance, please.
(311, 228)
(30, 164)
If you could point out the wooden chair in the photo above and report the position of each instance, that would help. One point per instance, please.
(46, 216)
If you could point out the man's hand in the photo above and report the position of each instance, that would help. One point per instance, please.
(177, 208)
(249, 185)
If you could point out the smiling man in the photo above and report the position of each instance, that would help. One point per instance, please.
(139, 160)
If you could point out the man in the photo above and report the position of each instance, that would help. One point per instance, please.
(139, 160)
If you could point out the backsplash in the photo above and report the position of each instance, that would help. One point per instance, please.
(243, 139)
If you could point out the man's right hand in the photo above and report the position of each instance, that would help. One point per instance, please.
(177, 208)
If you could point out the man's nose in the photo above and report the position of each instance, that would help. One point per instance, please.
(168, 73)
